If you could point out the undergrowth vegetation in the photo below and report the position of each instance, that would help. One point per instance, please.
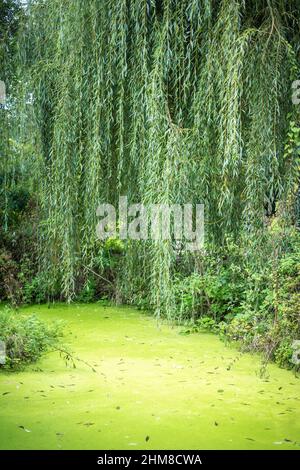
(256, 304)
(26, 338)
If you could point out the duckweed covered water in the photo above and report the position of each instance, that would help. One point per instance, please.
(153, 389)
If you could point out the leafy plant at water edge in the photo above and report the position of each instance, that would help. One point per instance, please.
(27, 338)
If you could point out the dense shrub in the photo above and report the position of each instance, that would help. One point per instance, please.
(26, 338)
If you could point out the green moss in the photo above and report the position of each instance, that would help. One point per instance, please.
(184, 392)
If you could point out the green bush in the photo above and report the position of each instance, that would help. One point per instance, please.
(88, 291)
(217, 291)
(26, 338)
(283, 354)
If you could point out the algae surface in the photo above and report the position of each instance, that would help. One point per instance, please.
(152, 389)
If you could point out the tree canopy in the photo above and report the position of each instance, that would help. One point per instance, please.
(166, 102)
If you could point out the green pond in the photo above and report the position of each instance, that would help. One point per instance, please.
(153, 389)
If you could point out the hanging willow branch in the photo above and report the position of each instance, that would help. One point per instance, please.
(164, 101)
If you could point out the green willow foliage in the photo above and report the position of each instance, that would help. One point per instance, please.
(10, 16)
(165, 101)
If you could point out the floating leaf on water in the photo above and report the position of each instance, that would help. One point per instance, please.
(24, 429)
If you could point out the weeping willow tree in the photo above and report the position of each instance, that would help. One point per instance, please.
(164, 101)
